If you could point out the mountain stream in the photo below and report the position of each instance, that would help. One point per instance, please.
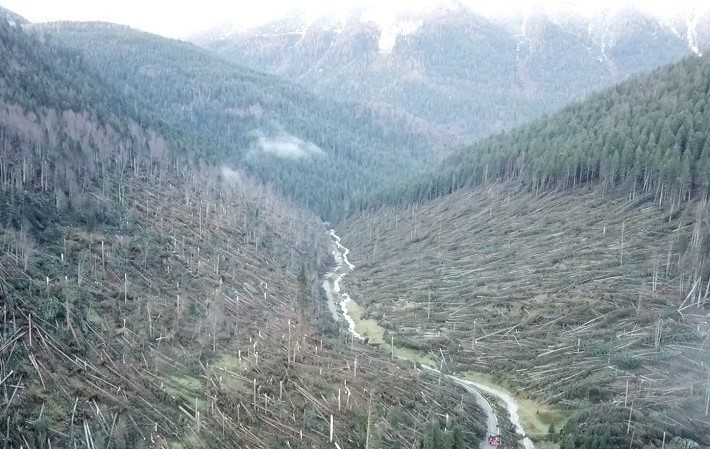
(338, 301)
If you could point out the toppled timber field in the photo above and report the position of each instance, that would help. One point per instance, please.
(595, 302)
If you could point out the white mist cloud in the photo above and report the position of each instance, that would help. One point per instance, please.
(232, 177)
(288, 146)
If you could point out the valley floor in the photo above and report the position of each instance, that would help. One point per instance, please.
(580, 299)
(364, 330)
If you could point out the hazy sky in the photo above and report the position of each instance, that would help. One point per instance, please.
(179, 18)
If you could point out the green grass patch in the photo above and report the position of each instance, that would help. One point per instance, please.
(187, 441)
(228, 367)
(375, 334)
(187, 383)
(94, 318)
(229, 362)
(189, 388)
(413, 355)
(368, 328)
(535, 416)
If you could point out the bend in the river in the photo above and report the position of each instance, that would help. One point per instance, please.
(339, 310)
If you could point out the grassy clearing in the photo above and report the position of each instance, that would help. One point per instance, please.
(229, 362)
(412, 355)
(94, 318)
(535, 416)
(189, 440)
(368, 328)
(230, 369)
(189, 388)
(375, 333)
(187, 384)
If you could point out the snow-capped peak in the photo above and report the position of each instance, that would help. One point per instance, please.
(399, 18)
(685, 25)
(394, 21)
(692, 23)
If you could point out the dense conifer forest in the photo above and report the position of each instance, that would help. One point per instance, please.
(336, 149)
(649, 134)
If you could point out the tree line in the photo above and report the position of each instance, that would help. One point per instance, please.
(647, 135)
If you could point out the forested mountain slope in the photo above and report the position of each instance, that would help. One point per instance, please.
(11, 17)
(285, 135)
(647, 135)
(458, 70)
(568, 258)
(151, 298)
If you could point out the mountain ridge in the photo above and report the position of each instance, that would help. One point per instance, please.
(11, 17)
(235, 109)
(441, 68)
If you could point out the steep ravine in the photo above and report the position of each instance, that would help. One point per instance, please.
(338, 305)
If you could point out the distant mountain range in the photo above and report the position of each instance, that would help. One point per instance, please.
(458, 70)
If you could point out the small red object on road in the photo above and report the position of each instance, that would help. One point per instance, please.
(494, 440)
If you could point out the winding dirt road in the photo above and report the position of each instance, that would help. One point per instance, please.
(337, 304)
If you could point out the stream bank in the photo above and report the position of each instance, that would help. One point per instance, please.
(342, 307)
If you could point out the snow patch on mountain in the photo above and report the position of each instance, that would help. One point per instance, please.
(691, 36)
(522, 40)
(389, 34)
(685, 26)
(600, 25)
(604, 41)
(393, 21)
